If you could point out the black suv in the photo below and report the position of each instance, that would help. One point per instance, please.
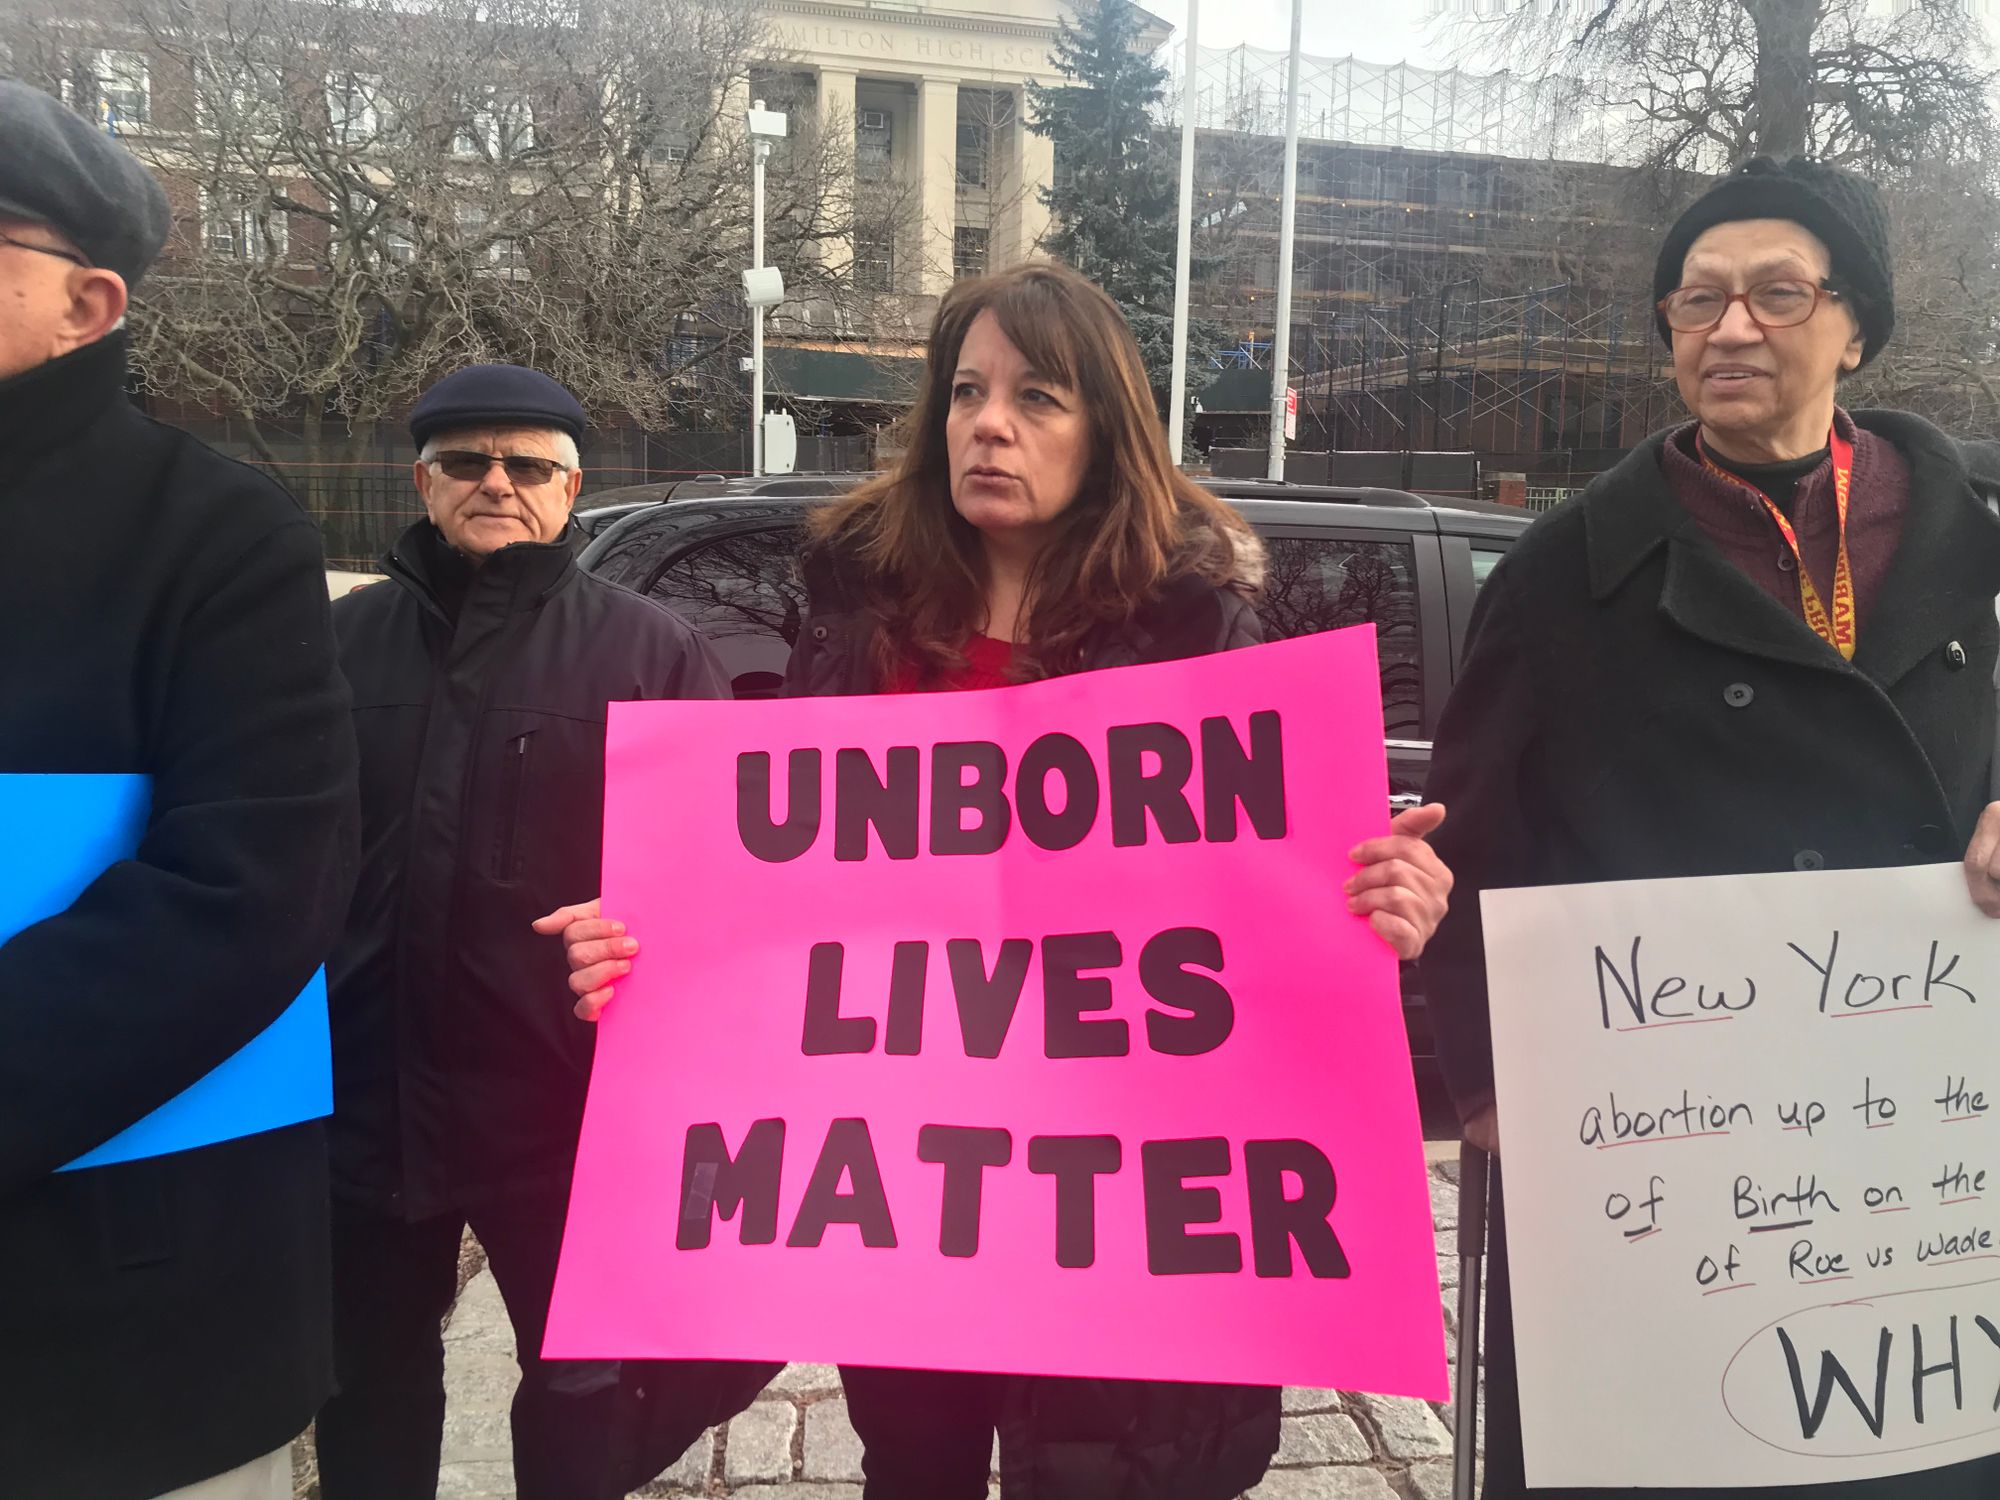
(1337, 557)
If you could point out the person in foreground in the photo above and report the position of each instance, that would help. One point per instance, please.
(481, 671)
(1036, 526)
(1764, 641)
(164, 614)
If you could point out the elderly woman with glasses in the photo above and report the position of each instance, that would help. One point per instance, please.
(1764, 641)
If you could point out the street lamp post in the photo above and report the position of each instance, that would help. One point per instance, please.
(760, 290)
(1183, 237)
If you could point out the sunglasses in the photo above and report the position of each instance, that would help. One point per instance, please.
(522, 468)
(1771, 304)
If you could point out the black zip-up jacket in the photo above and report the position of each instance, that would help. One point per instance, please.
(479, 702)
(1064, 1438)
(162, 611)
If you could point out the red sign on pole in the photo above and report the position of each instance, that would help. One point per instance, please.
(1291, 414)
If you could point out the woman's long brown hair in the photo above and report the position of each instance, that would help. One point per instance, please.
(1136, 523)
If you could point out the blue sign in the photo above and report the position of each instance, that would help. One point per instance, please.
(65, 831)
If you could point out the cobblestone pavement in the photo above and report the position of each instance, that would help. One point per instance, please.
(796, 1444)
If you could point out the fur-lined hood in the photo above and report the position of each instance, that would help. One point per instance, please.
(1251, 560)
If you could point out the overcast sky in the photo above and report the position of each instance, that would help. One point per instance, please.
(1383, 31)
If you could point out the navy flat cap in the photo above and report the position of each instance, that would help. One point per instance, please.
(495, 396)
(57, 169)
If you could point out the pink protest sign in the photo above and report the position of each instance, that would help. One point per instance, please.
(1021, 1030)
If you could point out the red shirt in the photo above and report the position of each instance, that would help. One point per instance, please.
(986, 665)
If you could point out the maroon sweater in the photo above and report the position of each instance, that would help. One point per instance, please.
(1742, 529)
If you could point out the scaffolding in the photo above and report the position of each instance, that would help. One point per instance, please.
(1347, 99)
(1457, 282)
(1548, 381)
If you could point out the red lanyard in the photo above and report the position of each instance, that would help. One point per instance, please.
(1836, 630)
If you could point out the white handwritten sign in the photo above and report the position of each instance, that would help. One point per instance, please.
(1753, 1175)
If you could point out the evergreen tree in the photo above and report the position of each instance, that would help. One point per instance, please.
(1113, 203)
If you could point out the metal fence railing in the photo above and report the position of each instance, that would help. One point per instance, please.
(362, 508)
(1546, 497)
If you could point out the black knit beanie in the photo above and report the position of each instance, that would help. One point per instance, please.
(1844, 210)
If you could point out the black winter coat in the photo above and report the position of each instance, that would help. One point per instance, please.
(1071, 1439)
(163, 611)
(459, 1069)
(1631, 705)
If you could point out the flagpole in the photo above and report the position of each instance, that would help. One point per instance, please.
(1177, 397)
(1281, 340)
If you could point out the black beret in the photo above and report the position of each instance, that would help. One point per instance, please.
(1846, 212)
(495, 396)
(57, 169)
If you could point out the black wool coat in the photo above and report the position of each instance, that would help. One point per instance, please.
(459, 1069)
(162, 611)
(1061, 1438)
(1631, 705)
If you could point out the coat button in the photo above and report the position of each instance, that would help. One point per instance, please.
(1809, 859)
(819, 632)
(1933, 842)
(1954, 656)
(1787, 562)
(1739, 695)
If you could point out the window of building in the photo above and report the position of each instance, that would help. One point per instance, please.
(357, 107)
(1315, 584)
(969, 251)
(510, 259)
(243, 227)
(241, 100)
(498, 127)
(491, 254)
(874, 261)
(391, 239)
(874, 143)
(974, 151)
(124, 87)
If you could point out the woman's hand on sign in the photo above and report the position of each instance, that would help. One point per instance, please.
(1982, 862)
(1483, 1130)
(599, 953)
(1402, 887)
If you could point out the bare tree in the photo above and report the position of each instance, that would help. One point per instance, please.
(1699, 84)
(1693, 86)
(371, 193)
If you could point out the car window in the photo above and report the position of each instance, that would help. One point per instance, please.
(1483, 562)
(742, 592)
(1328, 583)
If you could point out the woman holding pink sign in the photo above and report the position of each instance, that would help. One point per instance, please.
(1036, 526)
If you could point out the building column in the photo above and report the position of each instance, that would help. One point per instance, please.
(736, 108)
(1024, 165)
(936, 171)
(1038, 170)
(836, 124)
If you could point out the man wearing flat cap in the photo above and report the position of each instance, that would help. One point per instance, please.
(1764, 641)
(481, 670)
(163, 615)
